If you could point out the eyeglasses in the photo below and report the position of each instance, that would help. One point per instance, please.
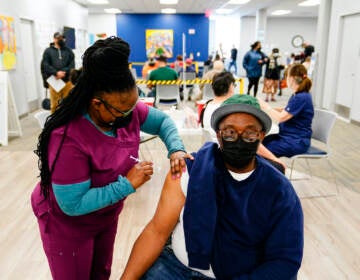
(124, 113)
(231, 135)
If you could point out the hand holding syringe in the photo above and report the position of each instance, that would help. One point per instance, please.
(140, 173)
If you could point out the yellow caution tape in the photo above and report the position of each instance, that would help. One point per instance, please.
(177, 82)
(187, 82)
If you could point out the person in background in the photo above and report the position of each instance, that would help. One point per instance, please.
(253, 61)
(178, 64)
(58, 60)
(233, 58)
(230, 216)
(75, 75)
(308, 50)
(272, 75)
(294, 119)
(88, 163)
(218, 67)
(307, 63)
(162, 73)
(208, 64)
(149, 66)
(223, 88)
(290, 59)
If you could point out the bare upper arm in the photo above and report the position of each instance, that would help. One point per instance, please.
(169, 207)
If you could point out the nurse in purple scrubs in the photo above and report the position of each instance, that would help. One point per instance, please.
(86, 160)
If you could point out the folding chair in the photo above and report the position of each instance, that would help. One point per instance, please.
(133, 72)
(167, 95)
(322, 126)
(41, 116)
(188, 75)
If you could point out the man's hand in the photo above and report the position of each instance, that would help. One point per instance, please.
(140, 173)
(60, 74)
(177, 163)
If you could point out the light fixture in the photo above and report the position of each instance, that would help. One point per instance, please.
(280, 12)
(98, 2)
(223, 11)
(112, 11)
(168, 11)
(169, 2)
(309, 3)
(237, 2)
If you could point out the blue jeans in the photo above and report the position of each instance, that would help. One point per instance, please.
(168, 267)
(233, 63)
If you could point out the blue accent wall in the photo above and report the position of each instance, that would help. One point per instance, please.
(131, 27)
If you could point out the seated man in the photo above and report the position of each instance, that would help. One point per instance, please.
(232, 216)
(162, 73)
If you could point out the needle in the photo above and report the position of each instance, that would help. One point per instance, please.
(134, 158)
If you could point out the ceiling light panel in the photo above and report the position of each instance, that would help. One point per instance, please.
(98, 2)
(168, 2)
(238, 2)
(168, 11)
(309, 3)
(112, 11)
(280, 12)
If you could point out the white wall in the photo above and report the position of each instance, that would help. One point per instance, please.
(279, 33)
(102, 23)
(52, 13)
(339, 9)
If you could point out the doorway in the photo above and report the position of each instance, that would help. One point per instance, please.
(29, 64)
(347, 97)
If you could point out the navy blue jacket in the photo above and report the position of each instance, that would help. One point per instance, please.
(251, 64)
(250, 229)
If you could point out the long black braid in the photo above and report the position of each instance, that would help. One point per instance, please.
(105, 69)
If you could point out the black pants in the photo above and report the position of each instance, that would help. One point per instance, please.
(253, 81)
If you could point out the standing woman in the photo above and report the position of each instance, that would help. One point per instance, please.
(295, 119)
(86, 160)
(253, 61)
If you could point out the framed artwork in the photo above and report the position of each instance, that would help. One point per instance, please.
(159, 42)
(7, 43)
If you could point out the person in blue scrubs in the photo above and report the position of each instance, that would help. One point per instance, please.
(295, 119)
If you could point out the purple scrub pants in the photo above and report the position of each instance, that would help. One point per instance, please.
(74, 252)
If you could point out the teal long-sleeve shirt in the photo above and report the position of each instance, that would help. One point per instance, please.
(80, 199)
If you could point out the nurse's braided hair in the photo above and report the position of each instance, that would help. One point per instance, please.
(105, 69)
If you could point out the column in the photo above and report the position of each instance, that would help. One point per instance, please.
(260, 25)
(321, 49)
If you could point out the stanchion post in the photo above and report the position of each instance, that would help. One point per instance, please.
(241, 86)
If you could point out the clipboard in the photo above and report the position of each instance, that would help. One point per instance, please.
(56, 84)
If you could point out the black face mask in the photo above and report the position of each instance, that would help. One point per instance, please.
(121, 122)
(61, 43)
(239, 154)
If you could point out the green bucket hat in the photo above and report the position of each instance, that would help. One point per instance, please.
(240, 103)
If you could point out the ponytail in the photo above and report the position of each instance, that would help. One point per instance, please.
(299, 73)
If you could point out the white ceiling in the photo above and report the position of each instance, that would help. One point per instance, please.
(200, 6)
